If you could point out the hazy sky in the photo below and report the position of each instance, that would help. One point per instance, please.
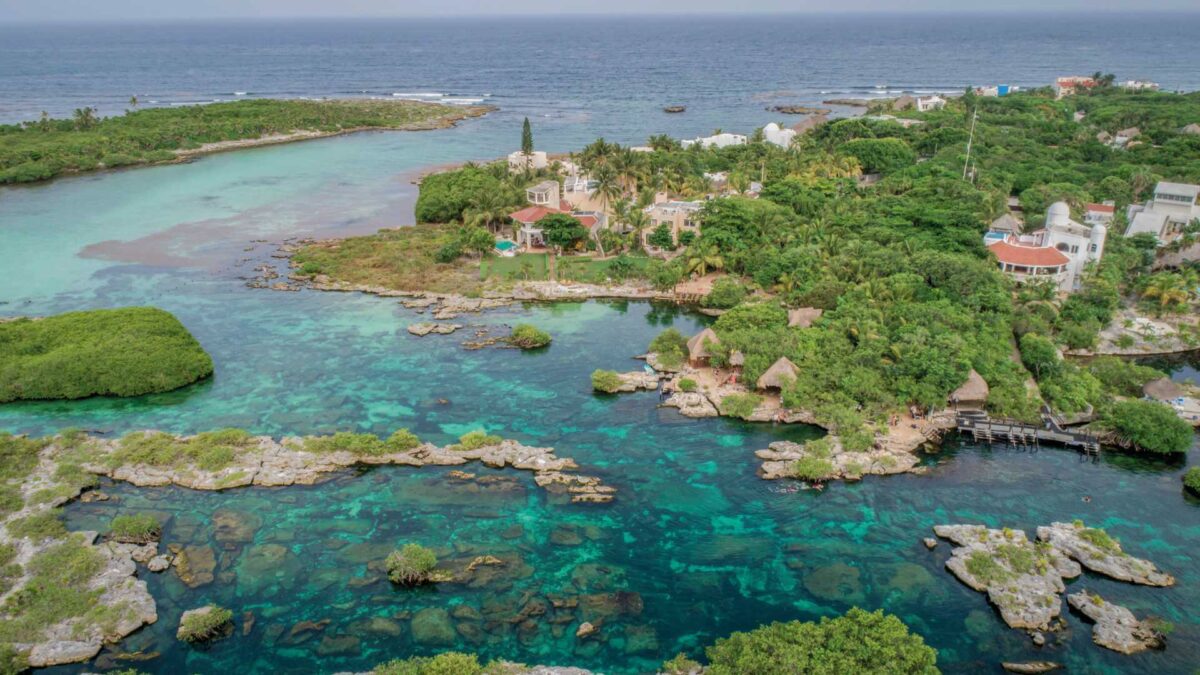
(91, 10)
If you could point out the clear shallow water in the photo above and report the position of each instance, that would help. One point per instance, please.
(704, 543)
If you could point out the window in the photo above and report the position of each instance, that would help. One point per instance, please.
(1074, 249)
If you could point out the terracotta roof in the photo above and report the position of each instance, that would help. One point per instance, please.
(587, 221)
(1100, 208)
(532, 214)
(1028, 256)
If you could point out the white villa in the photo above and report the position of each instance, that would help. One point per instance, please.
(1174, 205)
(722, 140)
(1099, 214)
(773, 133)
(1068, 85)
(1139, 85)
(1059, 251)
(519, 161)
(927, 103)
(544, 199)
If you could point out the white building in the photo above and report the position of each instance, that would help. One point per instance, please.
(1058, 252)
(927, 103)
(773, 133)
(1173, 207)
(1139, 85)
(1099, 214)
(519, 161)
(722, 140)
(1068, 85)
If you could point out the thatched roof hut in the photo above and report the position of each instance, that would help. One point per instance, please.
(737, 358)
(696, 348)
(1163, 389)
(803, 317)
(781, 373)
(972, 392)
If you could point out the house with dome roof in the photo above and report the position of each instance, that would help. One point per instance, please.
(1058, 251)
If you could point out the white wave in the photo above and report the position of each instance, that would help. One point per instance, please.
(417, 94)
(240, 93)
(460, 100)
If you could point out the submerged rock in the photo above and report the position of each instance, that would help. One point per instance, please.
(432, 626)
(195, 564)
(425, 328)
(1098, 552)
(1116, 627)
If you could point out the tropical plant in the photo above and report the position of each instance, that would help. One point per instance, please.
(411, 565)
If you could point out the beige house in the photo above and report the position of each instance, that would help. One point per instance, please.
(680, 216)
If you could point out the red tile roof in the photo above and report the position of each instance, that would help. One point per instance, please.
(586, 221)
(1028, 256)
(532, 214)
(1101, 208)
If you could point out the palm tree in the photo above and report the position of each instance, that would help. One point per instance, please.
(1140, 181)
(702, 260)
(133, 101)
(637, 220)
(1168, 289)
(488, 209)
(85, 118)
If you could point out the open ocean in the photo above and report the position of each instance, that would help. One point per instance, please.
(583, 77)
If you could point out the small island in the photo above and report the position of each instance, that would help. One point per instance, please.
(47, 148)
(105, 352)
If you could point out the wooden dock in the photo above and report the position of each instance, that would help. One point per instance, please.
(983, 428)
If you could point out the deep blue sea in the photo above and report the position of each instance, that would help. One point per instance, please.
(696, 545)
(584, 76)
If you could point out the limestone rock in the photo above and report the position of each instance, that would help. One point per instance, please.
(159, 563)
(930, 543)
(424, 328)
(1116, 627)
(585, 629)
(1022, 580)
(1078, 542)
(195, 565)
(692, 404)
(1030, 667)
(62, 651)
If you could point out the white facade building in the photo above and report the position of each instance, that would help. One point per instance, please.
(722, 140)
(773, 133)
(519, 161)
(1172, 208)
(1059, 251)
(927, 103)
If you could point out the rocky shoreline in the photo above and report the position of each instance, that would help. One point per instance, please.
(261, 462)
(1024, 578)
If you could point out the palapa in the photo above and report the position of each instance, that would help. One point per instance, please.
(803, 317)
(697, 348)
(780, 374)
(974, 390)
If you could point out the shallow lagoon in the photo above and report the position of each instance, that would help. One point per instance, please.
(707, 547)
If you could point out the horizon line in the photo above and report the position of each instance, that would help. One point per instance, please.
(593, 15)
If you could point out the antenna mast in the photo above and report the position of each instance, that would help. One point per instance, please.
(970, 140)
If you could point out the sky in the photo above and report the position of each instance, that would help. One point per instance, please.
(121, 10)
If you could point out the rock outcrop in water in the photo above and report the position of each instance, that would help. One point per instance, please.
(1098, 552)
(780, 457)
(271, 463)
(423, 328)
(1116, 627)
(1024, 578)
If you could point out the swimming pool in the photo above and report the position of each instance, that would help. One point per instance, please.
(505, 246)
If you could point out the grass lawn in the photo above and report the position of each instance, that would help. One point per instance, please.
(592, 271)
(531, 266)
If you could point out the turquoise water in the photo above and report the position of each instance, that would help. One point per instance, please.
(505, 245)
(694, 547)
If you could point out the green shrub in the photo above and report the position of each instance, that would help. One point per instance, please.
(138, 528)
(726, 292)
(202, 626)
(210, 450)
(670, 346)
(402, 440)
(985, 568)
(687, 384)
(1151, 426)
(812, 468)
(411, 565)
(1121, 376)
(606, 381)
(446, 663)
(473, 440)
(55, 592)
(527, 336)
(110, 352)
(860, 642)
(1191, 480)
(680, 665)
(740, 405)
